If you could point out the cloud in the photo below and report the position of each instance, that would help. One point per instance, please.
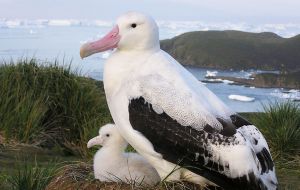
(254, 11)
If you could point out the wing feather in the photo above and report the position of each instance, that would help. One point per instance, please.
(173, 118)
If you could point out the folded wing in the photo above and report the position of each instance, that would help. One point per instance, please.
(227, 150)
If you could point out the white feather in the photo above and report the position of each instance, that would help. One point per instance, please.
(142, 69)
(111, 163)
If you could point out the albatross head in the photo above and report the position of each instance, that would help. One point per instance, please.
(108, 136)
(133, 31)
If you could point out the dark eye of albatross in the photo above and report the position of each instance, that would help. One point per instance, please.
(133, 25)
(107, 135)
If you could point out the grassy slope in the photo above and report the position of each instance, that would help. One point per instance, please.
(235, 49)
(288, 171)
(12, 154)
(50, 106)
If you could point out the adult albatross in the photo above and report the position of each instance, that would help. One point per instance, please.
(171, 118)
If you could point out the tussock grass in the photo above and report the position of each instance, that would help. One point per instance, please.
(4, 181)
(30, 177)
(49, 105)
(280, 124)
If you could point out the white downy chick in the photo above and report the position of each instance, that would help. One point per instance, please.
(111, 163)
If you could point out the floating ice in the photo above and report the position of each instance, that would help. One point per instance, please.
(227, 81)
(293, 91)
(248, 75)
(13, 23)
(291, 94)
(60, 22)
(241, 98)
(211, 73)
(217, 80)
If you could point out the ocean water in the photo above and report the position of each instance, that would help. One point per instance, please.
(61, 39)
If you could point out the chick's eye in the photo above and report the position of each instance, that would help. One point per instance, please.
(107, 135)
(133, 25)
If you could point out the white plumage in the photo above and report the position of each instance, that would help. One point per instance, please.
(111, 163)
(171, 118)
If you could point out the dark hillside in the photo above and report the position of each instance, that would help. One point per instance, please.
(235, 50)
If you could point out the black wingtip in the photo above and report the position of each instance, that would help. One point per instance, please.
(239, 121)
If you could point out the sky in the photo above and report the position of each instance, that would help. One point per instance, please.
(249, 11)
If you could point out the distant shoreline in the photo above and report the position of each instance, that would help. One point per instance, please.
(262, 80)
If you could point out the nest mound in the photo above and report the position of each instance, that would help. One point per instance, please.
(80, 176)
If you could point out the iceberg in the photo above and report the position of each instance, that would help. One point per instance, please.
(241, 98)
(292, 94)
(60, 22)
(211, 73)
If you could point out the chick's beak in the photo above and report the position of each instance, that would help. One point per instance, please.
(95, 141)
(109, 41)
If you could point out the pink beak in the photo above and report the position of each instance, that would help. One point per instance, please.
(109, 41)
(95, 141)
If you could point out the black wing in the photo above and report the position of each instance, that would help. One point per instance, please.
(187, 147)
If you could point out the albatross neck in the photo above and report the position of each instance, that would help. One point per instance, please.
(114, 148)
